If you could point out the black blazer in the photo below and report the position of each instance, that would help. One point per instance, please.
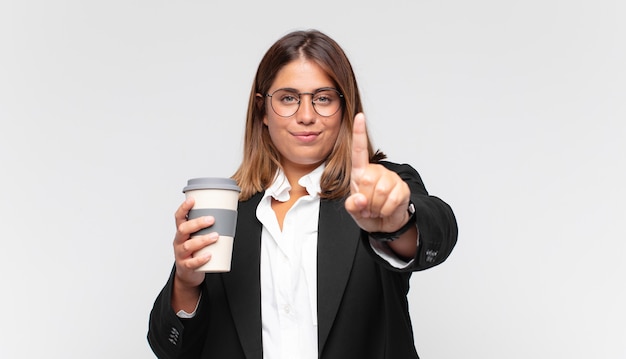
(362, 305)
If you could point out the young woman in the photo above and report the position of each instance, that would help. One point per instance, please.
(328, 233)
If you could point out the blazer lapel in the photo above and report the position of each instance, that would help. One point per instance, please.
(242, 283)
(338, 239)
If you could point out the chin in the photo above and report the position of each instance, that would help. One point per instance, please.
(305, 162)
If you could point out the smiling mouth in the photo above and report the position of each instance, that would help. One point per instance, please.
(306, 136)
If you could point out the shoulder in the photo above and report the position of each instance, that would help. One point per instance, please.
(405, 170)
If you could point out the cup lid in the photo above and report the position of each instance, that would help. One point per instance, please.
(211, 183)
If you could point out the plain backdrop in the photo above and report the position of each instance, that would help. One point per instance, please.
(514, 112)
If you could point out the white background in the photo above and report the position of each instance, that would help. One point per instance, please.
(514, 112)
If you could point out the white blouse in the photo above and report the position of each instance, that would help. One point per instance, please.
(289, 270)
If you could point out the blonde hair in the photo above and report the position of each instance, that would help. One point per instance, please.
(261, 159)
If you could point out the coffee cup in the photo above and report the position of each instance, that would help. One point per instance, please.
(217, 197)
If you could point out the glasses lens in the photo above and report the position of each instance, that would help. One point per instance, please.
(285, 103)
(326, 102)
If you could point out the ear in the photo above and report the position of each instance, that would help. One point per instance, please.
(260, 105)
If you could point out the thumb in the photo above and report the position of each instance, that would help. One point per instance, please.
(355, 204)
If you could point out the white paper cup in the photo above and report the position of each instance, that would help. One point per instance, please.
(217, 197)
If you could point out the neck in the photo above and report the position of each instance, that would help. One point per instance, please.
(293, 175)
(294, 172)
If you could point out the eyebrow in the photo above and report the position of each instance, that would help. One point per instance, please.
(291, 89)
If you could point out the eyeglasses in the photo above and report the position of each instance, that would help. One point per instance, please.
(286, 102)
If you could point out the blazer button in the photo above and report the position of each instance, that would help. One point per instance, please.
(173, 338)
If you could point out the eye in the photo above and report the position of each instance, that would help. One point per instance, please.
(325, 98)
(288, 98)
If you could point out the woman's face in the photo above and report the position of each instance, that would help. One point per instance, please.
(305, 138)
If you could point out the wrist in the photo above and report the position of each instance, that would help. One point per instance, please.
(184, 297)
(392, 236)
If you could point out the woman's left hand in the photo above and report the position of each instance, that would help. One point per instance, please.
(379, 197)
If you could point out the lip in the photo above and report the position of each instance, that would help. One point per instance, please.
(306, 136)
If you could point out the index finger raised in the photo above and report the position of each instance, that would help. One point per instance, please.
(360, 153)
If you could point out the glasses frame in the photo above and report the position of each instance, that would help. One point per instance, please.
(300, 100)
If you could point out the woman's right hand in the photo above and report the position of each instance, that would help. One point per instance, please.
(187, 280)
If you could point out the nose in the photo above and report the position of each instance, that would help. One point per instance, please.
(306, 113)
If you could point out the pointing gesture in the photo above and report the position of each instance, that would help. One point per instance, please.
(379, 197)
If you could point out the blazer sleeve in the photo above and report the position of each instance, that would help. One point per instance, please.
(435, 221)
(170, 336)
